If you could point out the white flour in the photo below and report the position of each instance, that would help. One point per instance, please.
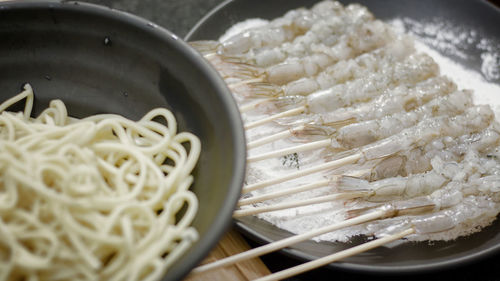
(434, 39)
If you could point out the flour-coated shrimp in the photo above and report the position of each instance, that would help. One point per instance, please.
(401, 98)
(340, 72)
(362, 133)
(327, 31)
(369, 36)
(415, 68)
(274, 33)
(418, 160)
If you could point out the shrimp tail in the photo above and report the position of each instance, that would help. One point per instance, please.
(286, 102)
(313, 131)
(205, 47)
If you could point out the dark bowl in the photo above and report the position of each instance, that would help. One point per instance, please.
(405, 258)
(99, 60)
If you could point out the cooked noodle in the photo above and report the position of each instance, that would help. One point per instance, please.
(93, 198)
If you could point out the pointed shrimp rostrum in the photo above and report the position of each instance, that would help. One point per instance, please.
(473, 120)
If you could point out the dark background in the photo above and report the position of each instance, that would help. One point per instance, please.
(179, 16)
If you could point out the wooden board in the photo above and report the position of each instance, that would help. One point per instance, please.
(232, 243)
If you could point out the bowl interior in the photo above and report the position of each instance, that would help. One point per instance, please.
(97, 60)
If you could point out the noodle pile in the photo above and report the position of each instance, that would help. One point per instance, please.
(93, 198)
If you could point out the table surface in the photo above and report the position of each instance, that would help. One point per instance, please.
(179, 16)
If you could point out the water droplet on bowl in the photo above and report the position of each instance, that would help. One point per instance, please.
(107, 41)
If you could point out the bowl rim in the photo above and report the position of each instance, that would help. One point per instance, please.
(223, 220)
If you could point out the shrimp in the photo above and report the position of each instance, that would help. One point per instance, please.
(474, 180)
(276, 32)
(340, 72)
(403, 98)
(475, 119)
(342, 136)
(418, 160)
(369, 36)
(359, 134)
(327, 31)
(417, 67)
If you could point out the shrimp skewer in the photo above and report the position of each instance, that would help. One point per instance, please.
(326, 32)
(473, 120)
(274, 33)
(414, 69)
(416, 183)
(364, 38)
(394, 108)
(340, 72)
(391, 101)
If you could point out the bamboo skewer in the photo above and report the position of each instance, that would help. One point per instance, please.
(298, 203)
(298, 189)
(318, 168)
(290, 150)
(277, 245)
(336, 257)
(275, 137)
(273, 117)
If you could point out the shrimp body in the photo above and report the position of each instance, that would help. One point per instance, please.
(327, 31)
(337, 73)
(415, 68)
(358, 134)
(279, 30)
(310, 65)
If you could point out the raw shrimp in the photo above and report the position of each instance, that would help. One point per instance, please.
(402, 98)
(475, 119)
(415, 68)
(368, 36)
(274, 33)
(325, 33)
(340, 72)
(359, 134)
(340, 135)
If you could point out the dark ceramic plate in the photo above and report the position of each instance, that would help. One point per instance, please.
(408, 257)
(99, 60)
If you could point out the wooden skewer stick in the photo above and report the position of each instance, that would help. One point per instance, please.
(298, 203)
(335, 257)
(275, 137)
(290, 150)
(318, 168)
(273, 117)
(301, 188)
(280, 244)
(272, 195)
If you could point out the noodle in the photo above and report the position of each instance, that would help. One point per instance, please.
(96, 198)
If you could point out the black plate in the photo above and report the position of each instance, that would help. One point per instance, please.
(404, 258)
(99, 60)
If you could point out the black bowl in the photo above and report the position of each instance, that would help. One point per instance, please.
(99, 60)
